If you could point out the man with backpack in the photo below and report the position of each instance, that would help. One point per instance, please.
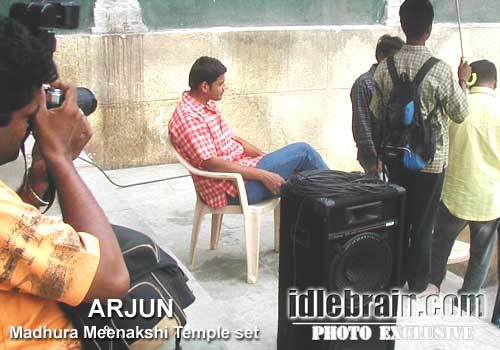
(413, 109)
(363, 126)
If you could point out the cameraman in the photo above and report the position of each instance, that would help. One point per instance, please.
(42, 260)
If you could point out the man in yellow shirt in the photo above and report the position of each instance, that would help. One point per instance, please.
(44, 261)
(471, 192)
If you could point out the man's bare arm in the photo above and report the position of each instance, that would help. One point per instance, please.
(38, 183)
(271, 180)
(250, 150)
(58, 133)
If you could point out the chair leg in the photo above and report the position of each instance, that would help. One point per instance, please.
(215, 232)
(277, 229)
(198, 218)
(252, 233)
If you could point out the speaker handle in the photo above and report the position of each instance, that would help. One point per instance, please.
(360, 214)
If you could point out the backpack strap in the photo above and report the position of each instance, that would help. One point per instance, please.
(422, 72)
(392, 69)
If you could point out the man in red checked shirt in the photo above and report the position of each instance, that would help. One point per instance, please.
(203, 138)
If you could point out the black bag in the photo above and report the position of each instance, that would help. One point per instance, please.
(407, 136)
(154, 275)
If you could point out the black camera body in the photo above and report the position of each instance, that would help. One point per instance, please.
(40, 17)
(47, 14)
(86, 99)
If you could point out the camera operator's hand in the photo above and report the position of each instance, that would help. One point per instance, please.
(85, 136)
(38, 176)
(38, 179)
(61, 132)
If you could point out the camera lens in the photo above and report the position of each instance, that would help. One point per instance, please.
(86, 100)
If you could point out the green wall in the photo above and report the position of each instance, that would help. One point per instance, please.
(470, 10)
(213, 13)
(238, 13)
(162, 14)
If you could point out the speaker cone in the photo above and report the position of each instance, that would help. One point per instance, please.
(363, 264)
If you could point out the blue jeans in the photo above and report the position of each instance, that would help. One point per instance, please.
(482, 242)
(285, 162)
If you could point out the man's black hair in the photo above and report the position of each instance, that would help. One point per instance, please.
(485, 70)
(205, 69)
(387, 45)
(416, 17)
(24, 63)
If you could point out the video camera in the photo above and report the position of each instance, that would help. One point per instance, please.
(40, 17)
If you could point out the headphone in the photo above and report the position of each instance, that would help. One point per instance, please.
(472, 80)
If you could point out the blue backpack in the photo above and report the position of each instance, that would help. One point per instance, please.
(406, 135)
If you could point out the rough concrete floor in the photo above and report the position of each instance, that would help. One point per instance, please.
(165, 210)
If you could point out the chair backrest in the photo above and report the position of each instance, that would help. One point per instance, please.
(185, 163)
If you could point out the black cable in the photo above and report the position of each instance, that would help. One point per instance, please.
(133, 184)
(334, 184)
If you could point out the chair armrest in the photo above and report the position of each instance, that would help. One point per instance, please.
(240, 184)
(216, 175)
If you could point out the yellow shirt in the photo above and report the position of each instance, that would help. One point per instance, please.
(472, 184)
(42, 261)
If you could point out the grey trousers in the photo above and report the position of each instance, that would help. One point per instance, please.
(482, 243)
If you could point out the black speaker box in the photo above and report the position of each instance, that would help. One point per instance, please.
(348, 240)
(495, 318)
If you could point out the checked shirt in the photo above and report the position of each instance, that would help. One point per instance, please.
(199, 133)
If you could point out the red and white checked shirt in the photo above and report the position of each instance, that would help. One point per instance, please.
(199, 133)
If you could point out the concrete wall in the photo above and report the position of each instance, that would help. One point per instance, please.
(285, 84)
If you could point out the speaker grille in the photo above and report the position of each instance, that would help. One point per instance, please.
(363, 264)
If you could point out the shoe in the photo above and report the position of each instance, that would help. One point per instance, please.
(431, 289)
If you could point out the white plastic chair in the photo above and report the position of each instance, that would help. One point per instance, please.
(252, 216)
